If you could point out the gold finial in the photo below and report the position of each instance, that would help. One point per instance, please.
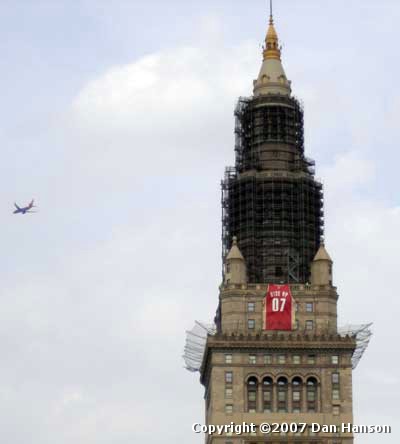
(271, 49)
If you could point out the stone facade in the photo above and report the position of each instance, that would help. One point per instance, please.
(305, 374)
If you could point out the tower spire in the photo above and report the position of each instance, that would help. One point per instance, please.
(272, 78)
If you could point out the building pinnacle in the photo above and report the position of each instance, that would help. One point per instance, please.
(272, 49)
(272, 78)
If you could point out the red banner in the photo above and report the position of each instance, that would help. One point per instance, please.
(278, 308)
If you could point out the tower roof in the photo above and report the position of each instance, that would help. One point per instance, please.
(322, 254)
(234, 252)
(272, 78)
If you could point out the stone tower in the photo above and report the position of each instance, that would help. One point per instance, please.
(270, 199)
(273, 234)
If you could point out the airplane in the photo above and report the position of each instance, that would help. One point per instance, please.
(26, 209)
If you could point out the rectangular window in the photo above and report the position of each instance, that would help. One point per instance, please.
(267, 359)
(296, 410)
(252, 396)
(281, 359)
(267, 396)
(335, 394)
(228, 393)
(251, 324)
(228, 359)
(251, 307)
(335, 359)
(309, 325)
(296, 396)
(296, 359)
(252, 359)
(310, 396)
(228, 377)
(309, 307)
(296, 324)
(311, 359)
(336, 410)
(229, 408)
(335, 378)
(281, 396)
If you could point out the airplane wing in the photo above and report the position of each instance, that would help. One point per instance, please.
(17, 207)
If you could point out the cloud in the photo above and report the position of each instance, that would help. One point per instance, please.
(162, 108)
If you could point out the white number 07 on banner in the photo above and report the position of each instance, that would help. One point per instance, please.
(278, 304)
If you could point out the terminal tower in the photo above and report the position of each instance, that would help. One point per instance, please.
(274, 352)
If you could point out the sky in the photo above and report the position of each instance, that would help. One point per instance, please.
(117, 117)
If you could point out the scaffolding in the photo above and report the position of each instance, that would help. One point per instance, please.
(362, 334)
(269, 120)
(196, 340)
(278, 222)
(270, 200)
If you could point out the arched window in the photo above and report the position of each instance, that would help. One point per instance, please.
(267, 394)
(282, 395)
(252, 385)
(297, 387)
(312, 389)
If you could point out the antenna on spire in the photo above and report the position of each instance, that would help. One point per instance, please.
(271, 18)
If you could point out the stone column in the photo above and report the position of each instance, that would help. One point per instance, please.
(304, 398)
(260, 406)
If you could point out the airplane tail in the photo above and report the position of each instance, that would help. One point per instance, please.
(31, 205)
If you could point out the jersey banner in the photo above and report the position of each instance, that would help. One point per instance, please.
(279, 307)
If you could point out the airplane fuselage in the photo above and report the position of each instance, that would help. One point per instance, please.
(24, 210)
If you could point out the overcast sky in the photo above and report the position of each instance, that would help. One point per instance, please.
(117, 117)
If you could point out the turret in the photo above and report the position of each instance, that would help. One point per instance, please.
(235, 266)
(321, 268)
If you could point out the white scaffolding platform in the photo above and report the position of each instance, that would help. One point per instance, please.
(362, 334)
(196, 339)
(195, 345)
